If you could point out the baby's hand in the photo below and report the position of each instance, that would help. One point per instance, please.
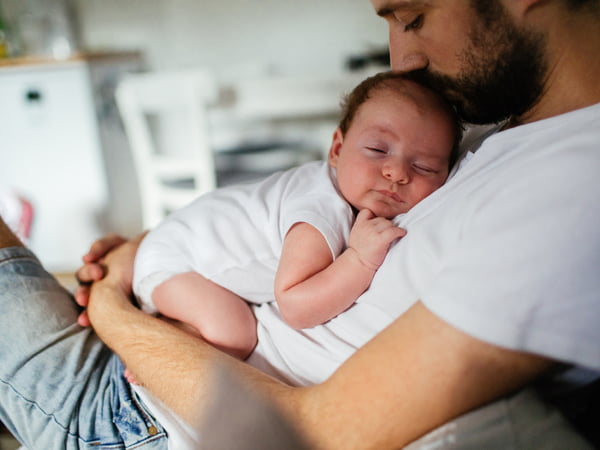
(371, 237)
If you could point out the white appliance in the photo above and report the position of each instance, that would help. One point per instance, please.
(53, 118)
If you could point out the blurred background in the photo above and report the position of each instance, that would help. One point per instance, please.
(265, 77)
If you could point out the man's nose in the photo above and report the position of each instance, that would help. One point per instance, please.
(404, 54)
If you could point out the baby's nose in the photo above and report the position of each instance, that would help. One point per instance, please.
(396, 173)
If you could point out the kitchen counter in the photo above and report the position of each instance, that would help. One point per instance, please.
(96, 56)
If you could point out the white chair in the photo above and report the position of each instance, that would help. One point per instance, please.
(274, 122)
(165, 120)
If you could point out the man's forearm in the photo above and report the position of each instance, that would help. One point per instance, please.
(175, 366)
(146, 345)
(365, 404)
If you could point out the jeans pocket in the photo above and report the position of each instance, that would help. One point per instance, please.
(136, 426)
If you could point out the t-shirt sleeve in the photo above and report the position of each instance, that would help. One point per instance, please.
(329, 214)
(311, 197)
(523, 271)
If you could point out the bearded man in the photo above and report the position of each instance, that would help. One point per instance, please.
(493, 297)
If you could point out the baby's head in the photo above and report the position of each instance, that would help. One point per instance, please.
(394, 145)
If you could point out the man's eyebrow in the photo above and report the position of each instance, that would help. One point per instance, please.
(393, 6)
(383, 12)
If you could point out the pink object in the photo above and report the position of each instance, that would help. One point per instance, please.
(17, 213)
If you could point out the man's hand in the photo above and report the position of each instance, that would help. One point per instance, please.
(118, 278)
(118, 264)
(93, 269)
(372, 236)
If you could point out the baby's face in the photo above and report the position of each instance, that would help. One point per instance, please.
(395, 153)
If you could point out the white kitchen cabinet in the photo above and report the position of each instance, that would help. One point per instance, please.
(53, 119)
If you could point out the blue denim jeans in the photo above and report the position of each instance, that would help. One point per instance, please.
(60, 386)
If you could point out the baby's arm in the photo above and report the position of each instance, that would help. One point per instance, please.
(311, 288)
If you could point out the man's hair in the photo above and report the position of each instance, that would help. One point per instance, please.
(579, 4)
(386, 80)
(488, 9)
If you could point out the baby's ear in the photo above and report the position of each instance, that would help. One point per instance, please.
(336, 147)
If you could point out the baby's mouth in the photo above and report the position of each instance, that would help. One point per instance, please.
(391, 195)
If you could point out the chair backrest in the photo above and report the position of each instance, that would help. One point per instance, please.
(159, 104)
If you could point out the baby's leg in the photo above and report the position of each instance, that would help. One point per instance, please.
(221, 317)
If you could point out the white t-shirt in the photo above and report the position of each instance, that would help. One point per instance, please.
(508, 250)
(234, 235)
(528, 238)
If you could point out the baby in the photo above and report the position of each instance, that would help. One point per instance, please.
(310, 238)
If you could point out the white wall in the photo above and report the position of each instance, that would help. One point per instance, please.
(286, 36)
(232, 37)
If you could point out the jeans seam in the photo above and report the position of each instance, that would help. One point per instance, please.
(36, 405)
(52, 417)
(11, 258)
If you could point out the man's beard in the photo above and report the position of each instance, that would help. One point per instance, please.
(503, 72)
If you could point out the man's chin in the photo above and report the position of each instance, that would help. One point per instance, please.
(464, 107)
(469, 113)
(470, 107)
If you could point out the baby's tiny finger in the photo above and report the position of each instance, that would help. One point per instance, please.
(364, 214)
(392, 233)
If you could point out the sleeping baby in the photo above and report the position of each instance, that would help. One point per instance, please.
(309, 238)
